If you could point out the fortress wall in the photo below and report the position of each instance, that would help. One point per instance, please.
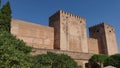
(93, 46)
(73, 29)
(34, 35)
(73, 32)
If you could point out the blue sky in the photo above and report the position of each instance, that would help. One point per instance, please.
(95, 11)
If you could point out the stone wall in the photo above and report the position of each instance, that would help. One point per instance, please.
(93, 46)
(73, 32)
(34, 35)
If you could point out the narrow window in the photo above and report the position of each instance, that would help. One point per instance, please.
(80, 21)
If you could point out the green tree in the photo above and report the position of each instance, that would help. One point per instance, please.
(5, 17)
(116, 58)
(113, 60)
(98, 59)
(64, 61)
(13, 52)
(109, 61)
(42, 61)
(52, 60)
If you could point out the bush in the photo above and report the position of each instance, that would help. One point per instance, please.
(52, 60)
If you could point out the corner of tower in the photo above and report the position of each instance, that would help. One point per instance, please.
(108, 27)
(53, 18)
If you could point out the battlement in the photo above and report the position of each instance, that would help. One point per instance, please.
(96, 28)
(67, 14)
(101, 24)
(97, 25)
(108, 25)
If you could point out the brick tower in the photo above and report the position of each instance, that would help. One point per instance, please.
(105, 34)
(69, 32)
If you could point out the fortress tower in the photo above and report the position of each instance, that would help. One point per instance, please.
(69, 32)
(105, 34)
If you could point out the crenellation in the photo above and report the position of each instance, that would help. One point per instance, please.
(71, 15)
(106, 24)
(95, 25)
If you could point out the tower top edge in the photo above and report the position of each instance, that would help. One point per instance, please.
(101, 24)
(69, 14)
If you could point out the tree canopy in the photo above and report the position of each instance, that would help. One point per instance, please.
(13, 52)
(113, 60)
(52, 60)
(98, 60)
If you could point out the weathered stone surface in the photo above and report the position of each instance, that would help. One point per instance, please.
(105, 34)
(70, 31)
(111, 41)
(34, 35)
(93, 46)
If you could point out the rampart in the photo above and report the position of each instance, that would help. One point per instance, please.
(34, 35)
(93, 46)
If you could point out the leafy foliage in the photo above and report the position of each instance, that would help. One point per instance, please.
(52, 60)
(13, 52)
(5, 17)
(64, 61)
(113, 60)
(42, 61)
(98, 60)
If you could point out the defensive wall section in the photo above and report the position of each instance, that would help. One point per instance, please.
(36, 36)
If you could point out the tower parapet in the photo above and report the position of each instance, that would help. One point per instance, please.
(71, 15)
(56, 15)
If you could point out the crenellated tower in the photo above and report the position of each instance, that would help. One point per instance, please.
(69, 32)
(105, 34)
